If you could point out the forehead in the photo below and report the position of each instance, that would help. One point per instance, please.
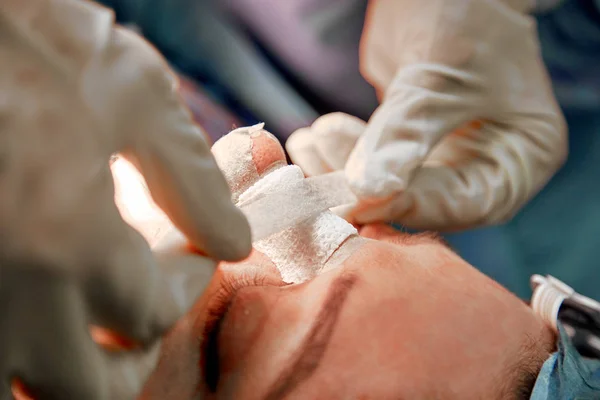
(402, 327)
(426, 273)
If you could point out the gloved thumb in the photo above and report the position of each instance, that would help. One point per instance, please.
(325, 145)
(421, 105)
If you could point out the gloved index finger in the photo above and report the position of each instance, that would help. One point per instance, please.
(184, 178)
(137, 294)
(158, 135)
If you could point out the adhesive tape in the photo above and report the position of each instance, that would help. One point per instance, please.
(274, 212)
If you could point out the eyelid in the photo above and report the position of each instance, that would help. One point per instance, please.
(217, 307)
(228, 287)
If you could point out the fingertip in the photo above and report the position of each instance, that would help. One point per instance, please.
(236, 251)
(299, 142)
(256, 264)
(372, 178)
(303, 153)
(232, 241)
(339, 123)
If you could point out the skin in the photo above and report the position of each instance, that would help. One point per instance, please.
(418, 322)
(408, 319)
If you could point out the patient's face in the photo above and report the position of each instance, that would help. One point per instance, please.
(403, 317)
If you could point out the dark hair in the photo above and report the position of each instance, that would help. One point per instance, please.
(521, 375)
(524, 385)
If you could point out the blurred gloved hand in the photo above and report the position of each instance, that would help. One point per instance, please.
(74, 90)
(468, 129)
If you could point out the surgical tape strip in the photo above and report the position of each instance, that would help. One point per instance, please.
(291, 222)
(294, 203)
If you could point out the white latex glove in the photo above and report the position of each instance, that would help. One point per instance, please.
(74, 90)
(421, 160)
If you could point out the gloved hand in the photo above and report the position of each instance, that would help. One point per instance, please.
(74, 90)
(468, 129)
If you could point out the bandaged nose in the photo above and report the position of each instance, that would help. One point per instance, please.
(276, 195)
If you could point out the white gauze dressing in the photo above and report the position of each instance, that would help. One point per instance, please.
(300, 252)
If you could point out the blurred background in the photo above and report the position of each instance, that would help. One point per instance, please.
(287, 62)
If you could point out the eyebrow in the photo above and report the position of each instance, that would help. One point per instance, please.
(307, 357)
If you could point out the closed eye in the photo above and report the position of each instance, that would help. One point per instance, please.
(218, 306)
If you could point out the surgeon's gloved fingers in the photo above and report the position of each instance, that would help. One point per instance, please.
(428, 203)
(187, 275)
(6, 374)
(170, 150)
(81, 380)
(326, 144)
(185, 181)
(129, 370)
(302, 149)
(6, 392)
(421, 106)
(58, 359)
(162, 140)
(336, 135)
(130, 294)
(490, 175)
